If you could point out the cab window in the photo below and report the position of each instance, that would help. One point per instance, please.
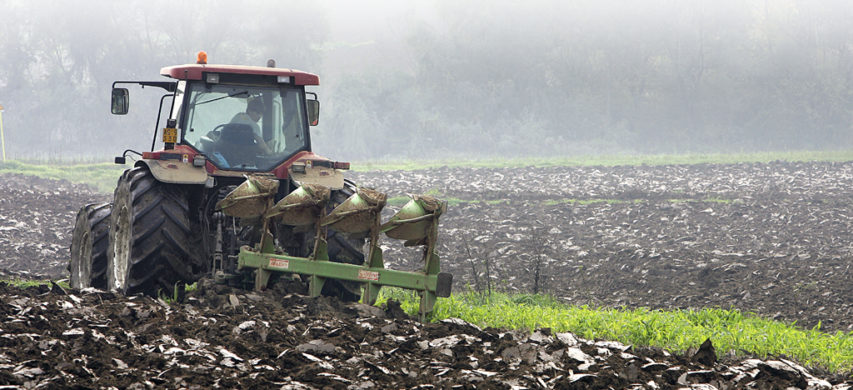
(244, 127)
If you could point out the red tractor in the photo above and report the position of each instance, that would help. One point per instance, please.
(236, 139)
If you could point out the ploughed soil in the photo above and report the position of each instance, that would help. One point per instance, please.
(220, 337)
(773, 239)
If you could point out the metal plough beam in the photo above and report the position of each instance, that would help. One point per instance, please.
(417, 223)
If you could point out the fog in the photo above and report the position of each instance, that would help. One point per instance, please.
(450, 79)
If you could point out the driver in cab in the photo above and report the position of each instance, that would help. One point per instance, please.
(254, 112)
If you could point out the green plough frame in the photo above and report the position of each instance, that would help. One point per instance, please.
(429, 282)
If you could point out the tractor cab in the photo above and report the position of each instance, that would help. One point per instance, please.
(248, 125)
(239, 118)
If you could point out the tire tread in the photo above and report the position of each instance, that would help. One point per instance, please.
(160, 255)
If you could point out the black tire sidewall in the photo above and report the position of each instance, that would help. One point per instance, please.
(121, 218)
(89, 242)
(81, 251)
(152, 241)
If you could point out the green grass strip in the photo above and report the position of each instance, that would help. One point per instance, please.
(24, 283)
(588, 201)
(101, 176)
(677, 330)
(451, 201)
(610, 160)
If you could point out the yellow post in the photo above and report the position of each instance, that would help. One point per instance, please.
(2, 136)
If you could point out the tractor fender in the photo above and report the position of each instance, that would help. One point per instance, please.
(174, 171)
(328, 177)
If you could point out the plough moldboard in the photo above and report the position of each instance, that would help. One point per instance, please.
(416, 223)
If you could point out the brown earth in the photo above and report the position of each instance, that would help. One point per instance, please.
(775, 239)
(36, 219)
(219, 337)
(768, 238)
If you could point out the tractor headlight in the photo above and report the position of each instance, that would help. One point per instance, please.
(298, 168)
(199, 160)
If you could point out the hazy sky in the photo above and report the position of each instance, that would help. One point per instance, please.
(538, 76)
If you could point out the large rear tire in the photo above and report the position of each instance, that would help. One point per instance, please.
(89, 243)
(150, 248)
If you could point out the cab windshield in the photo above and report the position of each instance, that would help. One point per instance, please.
(243, 127)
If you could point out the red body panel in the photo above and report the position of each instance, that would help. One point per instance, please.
(281, 170)
(194, 72)
(184, 150)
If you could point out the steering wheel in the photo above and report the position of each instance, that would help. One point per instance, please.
(217, 128)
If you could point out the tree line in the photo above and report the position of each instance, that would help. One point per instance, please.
(465, 79)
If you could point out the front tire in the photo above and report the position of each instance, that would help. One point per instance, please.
(89, 243)
(150, 237)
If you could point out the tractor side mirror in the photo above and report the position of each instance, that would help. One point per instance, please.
(313, 111)
(120, 101)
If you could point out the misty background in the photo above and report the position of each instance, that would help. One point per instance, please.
(450, 79)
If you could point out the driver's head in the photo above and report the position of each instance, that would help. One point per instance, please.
(255, 109)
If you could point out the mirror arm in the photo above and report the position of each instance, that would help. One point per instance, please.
(123, 158)
(157, 123)
(170, 86)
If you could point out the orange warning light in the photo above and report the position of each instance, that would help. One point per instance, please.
(202, 57)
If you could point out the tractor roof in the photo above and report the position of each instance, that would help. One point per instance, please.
(194, 72)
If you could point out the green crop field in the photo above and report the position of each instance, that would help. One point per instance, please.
(731, 331)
